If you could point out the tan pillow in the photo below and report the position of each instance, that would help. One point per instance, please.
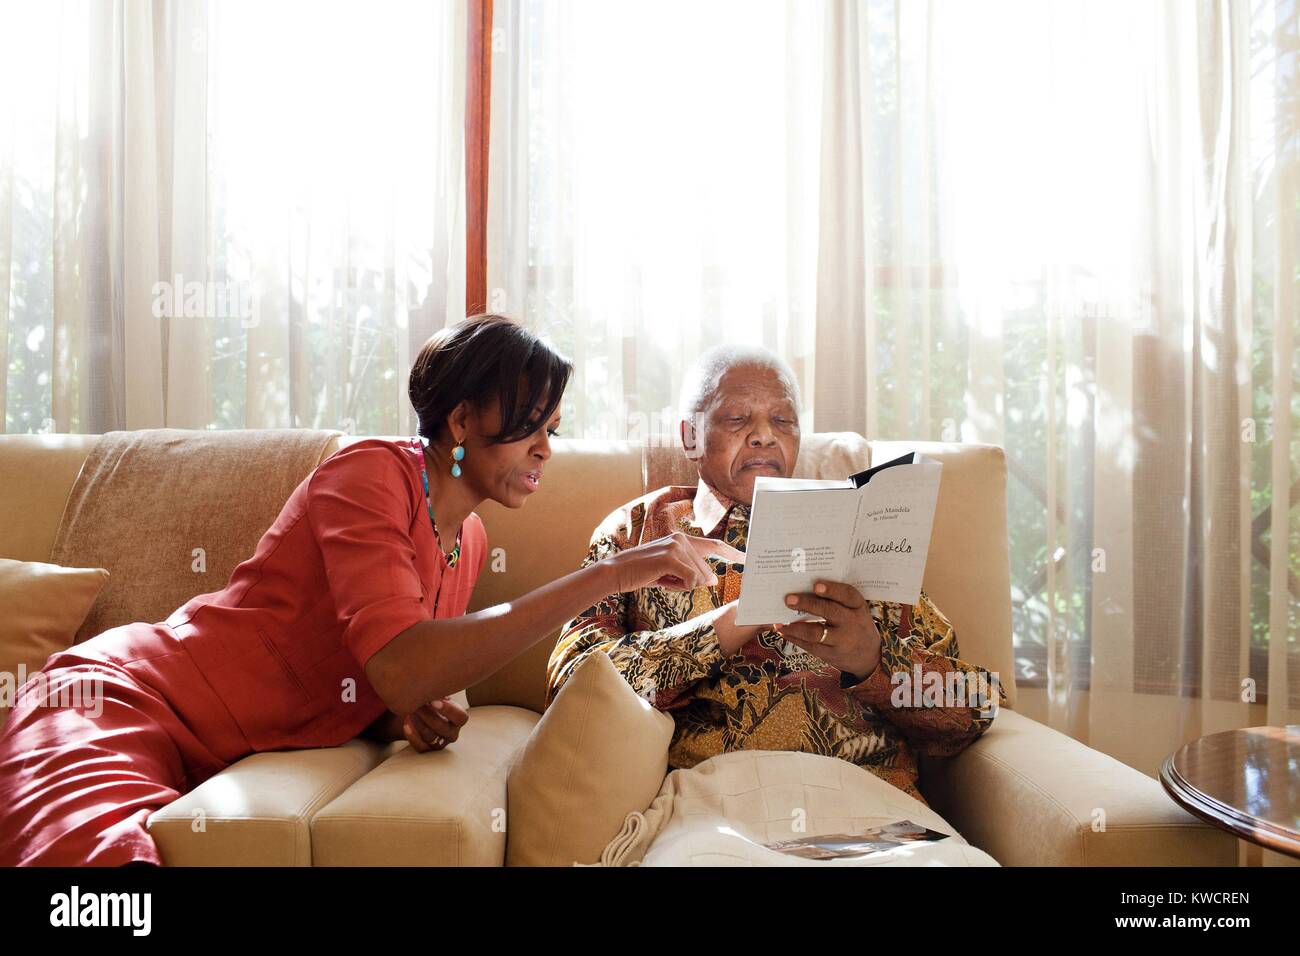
(41, 608)
(598, 753)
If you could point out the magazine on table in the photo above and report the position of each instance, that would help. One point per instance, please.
(871, 530)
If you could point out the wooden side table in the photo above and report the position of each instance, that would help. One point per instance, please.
(1245, 781)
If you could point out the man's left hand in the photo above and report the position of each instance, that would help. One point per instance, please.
(852, 641)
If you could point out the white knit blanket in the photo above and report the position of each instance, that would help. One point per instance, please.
(722, 811)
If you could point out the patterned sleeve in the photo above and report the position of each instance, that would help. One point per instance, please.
(920, 641)
(660, 665)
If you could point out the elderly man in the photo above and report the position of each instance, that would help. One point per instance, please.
(766, 688)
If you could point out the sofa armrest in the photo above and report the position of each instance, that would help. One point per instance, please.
(1032, 796)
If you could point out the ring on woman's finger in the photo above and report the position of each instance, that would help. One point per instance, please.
(823, 637)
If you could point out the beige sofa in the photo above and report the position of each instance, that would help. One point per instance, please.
(1024, 793)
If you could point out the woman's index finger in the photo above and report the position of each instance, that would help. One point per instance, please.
(711, 546)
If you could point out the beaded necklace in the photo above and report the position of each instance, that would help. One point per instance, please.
(454, 555)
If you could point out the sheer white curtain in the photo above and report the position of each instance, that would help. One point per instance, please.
(1085, 216)
(1066, 227)
(653, 190)
(228, 214)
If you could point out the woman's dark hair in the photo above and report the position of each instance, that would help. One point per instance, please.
(485, 358)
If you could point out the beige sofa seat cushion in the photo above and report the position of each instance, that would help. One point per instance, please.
(598, 753)
(41, 607)
(443, 808)
(1074, 806)
(258, 811)
(721, 811)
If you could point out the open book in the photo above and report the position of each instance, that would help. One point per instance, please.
(871, 530)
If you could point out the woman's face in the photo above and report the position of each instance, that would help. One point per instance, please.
(507, 473)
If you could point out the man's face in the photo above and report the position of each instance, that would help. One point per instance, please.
(750, 428)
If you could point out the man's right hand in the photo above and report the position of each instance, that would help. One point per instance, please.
(674, 561)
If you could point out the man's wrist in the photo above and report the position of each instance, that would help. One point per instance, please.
(859, 676)
(712, 638)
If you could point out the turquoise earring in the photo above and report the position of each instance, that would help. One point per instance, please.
(457, 455)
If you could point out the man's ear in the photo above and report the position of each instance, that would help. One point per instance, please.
(690, 433)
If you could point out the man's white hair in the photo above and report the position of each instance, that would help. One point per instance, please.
(702, 378)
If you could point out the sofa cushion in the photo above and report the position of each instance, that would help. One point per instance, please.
(598, 752)
(443, 808)
(171, 512)
(721, 811)
(36, 473)
(970, 518)
(258, 811)
(41, 607)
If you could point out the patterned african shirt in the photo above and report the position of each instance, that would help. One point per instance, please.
(772, 695)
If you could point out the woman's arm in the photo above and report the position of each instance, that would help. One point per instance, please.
(386, 729)
(435, 658)
(432, 727)
(360, 514)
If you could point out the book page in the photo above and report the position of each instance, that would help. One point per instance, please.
(891, 536)
(795, 538)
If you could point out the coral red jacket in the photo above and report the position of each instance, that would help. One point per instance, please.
(349, 564)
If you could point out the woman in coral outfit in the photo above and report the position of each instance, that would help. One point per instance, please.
(348, 618)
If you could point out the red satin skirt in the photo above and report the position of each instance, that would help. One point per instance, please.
(93, 746)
